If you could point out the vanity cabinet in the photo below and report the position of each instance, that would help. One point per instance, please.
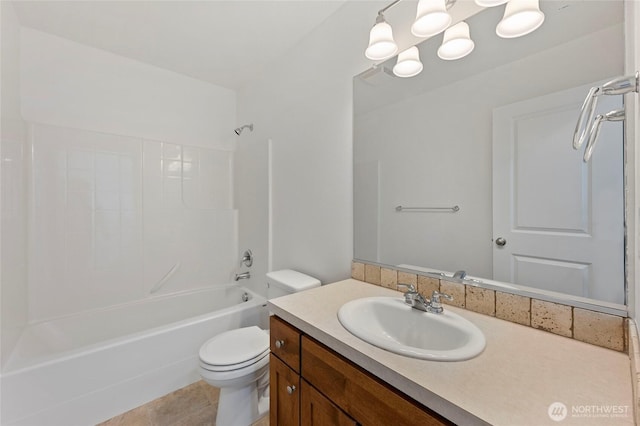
(313, 385)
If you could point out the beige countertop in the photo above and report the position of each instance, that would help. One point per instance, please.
(521, 372)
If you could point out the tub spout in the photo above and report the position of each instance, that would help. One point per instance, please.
(243, 276)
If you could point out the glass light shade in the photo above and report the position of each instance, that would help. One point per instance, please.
(381, 43)
(431, 18)
(456, 43)
(521, 17)
(408, 63)
(490, 3)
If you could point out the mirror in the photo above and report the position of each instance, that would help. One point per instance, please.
(491, 134)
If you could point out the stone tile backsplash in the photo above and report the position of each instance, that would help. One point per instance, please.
(481, 300)
(596, 328)
(513, 308)
(551, 317)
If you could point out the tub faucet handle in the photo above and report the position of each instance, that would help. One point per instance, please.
(247, 258)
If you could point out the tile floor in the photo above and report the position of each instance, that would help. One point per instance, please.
(194, 405)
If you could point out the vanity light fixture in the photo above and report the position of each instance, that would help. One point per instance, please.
(431, 18)
(408, 64)
(521, 17)
(456, 43)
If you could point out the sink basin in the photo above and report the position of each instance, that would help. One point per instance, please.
(390, 324)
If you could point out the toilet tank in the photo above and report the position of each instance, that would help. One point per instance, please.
(288, 281)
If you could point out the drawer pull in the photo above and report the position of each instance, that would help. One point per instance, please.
(279, 344)
(291, 389)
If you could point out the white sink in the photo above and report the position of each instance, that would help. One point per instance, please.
(390, 324)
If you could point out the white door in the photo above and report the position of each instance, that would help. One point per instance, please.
(561, 220)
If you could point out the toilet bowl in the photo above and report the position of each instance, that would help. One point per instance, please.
(237, 361)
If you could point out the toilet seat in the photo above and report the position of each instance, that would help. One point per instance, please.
(232, 367)
(235, 349)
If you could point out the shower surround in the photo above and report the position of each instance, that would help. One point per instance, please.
(127, 230)
(115, 217)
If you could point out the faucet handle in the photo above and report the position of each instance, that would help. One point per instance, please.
(410, 288)
(436, 295)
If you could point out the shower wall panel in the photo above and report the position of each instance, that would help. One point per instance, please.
(13, 266)
(115, 217)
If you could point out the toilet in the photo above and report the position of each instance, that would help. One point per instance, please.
(237, 361)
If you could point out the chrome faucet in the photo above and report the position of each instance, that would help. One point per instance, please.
(243, 276)
(417, 301)
(460, 274)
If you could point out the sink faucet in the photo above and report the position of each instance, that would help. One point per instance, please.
(460, 274)
(417, 301)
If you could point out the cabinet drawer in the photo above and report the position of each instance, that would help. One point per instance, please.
(362, 396)
(285, 342)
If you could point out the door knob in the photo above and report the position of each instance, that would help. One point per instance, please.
(501, 242)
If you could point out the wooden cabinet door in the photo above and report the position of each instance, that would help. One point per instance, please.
(284, 389)
(316, 410)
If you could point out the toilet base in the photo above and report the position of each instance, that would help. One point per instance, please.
(241, 406)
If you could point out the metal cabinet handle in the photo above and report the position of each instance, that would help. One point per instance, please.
(291, 389)
(279, 344)
(501, 242)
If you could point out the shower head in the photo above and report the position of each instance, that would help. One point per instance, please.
(241, 128)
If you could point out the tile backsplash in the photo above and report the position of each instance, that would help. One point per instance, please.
(591, 327)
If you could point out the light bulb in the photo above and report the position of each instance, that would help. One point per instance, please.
(431, 18)
(490, 3)
(521, 17)
(408, 64)
(381, 43)
(456, 43)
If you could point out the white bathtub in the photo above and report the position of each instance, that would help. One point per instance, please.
(86, 368)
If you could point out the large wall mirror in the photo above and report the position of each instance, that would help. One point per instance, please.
(477, 152)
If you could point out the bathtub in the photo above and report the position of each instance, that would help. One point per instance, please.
(86, 368)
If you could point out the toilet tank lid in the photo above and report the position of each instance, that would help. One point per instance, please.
(291, 280)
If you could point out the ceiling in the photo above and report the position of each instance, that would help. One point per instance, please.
(226, 43)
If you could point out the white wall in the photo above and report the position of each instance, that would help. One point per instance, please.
(425, 154)
(13, 278)
(303, 103)
(66, 84)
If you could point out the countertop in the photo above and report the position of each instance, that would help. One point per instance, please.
(520, 374)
